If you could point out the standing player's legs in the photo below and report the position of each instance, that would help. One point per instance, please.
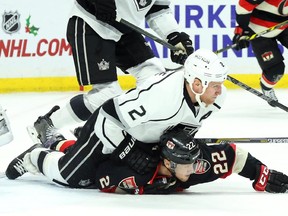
(134, 56)
(270, 60)
(94, 60)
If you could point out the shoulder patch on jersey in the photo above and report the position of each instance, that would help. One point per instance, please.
(141, 4)
(128, 183)
(202, 166)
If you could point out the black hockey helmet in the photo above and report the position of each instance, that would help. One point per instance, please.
(179, 147)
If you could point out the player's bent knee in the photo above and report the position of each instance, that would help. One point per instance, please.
(275, 72)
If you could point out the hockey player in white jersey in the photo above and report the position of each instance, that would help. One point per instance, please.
(100, 44)
(123, 126)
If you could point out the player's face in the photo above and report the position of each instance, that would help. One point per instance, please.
(213, 90)
(183, 171)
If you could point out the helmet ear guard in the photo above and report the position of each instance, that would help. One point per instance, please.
(206, 66)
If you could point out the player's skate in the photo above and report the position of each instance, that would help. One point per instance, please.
(6, 135)
(271, 94)
(16, 169)
(44, 131)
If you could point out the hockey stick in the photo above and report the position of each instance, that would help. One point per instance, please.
(245, 140)
(254, 36)
(257, 93)
(153, 37)
(231, 79)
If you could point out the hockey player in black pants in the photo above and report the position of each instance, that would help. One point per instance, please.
(124, 128)
(256, 16)
(184, 162)
(181, 98)
(100, 44)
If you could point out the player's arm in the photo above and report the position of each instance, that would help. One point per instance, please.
(157, 18)
(244, 10)
(113, 177)
(122, 146)
(265, 179)
(161, 185)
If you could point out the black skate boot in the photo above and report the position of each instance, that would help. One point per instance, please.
(47, 133)
(16, 169)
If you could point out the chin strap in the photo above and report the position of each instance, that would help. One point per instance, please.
(198, 99)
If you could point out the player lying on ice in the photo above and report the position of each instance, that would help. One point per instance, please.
(183, 162)
(124, 128)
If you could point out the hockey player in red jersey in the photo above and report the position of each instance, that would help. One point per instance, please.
(184, 162)
(256, 16)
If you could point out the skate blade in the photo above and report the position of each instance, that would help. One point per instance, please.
(33, 134)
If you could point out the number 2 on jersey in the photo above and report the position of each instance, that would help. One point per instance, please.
(133, 113)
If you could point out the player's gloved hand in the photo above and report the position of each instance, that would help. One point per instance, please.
(105, 10)
(241, 38)
(269, 180)
(133, 153)
(142, 161)
(160, 185)
(185, 45)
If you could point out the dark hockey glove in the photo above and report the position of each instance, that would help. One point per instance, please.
(140, 160)
(160, 185)
(105, 10)
(184, 43)
(241, 38)
(271, 181)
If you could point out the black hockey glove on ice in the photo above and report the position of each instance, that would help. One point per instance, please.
(271, 181)
(139, 156)
(184, 43)
(105, 10)
(160, 185)
(241, 38)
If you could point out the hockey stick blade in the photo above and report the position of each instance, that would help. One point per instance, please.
(245, 140)
(153, 37)
(257, 93)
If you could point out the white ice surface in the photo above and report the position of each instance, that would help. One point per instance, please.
(244, 115)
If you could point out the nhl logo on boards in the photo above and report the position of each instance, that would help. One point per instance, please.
(11, 22)
(103, 65)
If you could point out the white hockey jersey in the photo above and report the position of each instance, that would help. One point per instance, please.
(159, 104)
(135, 12)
